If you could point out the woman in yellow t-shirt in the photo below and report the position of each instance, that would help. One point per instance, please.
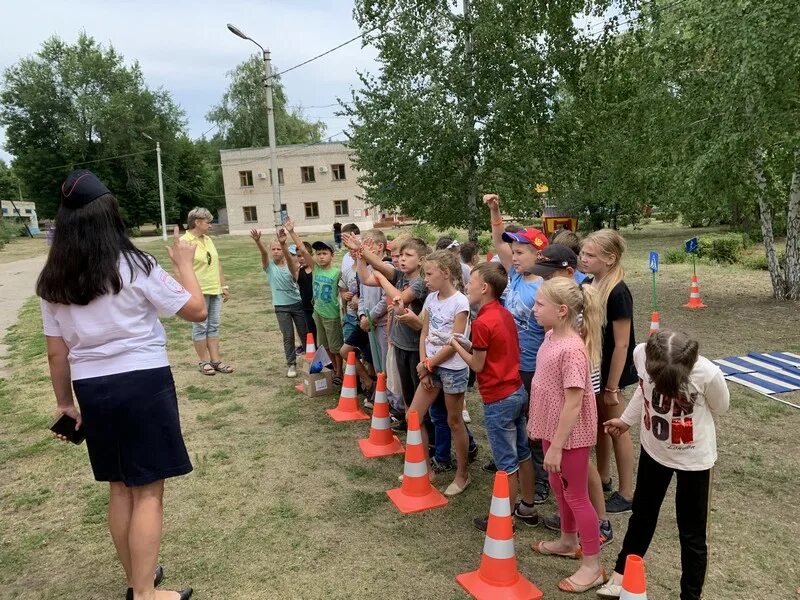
(208, 269)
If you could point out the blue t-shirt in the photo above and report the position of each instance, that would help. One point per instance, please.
(284, 288)
(580, 277)
(520, 297)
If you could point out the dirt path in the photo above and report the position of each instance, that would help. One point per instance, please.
(17, 281)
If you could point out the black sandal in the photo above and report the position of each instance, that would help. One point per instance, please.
(221, 367)
(207, 371)
(159, 577)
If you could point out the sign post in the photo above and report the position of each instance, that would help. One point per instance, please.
(655, 318)
(692, 246)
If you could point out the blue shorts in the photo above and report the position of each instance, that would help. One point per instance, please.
(452, 381)
(349, 326)
(506, 429)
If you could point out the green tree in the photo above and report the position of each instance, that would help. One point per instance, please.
(241, 115)
(79, 104)
(8, 183)
(461, 103)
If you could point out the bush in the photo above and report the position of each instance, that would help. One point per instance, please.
(485, 242)
(722, 248)
(758, 262)
(675, 256)
(424, 232)
(10, 230)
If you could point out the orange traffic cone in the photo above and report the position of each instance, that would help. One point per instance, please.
(694, 296)
(655, 322)
(348, 410)
(381, 440)
(634, 584)
(497, 576)
(310, 348)
(416, 492)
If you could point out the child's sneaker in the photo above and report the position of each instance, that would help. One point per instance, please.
(441, 467)
(530, 519)
(541, 494)
(608, 486)
(368, 403)
(606, 533)
(489, 467)
(473, 453)
(465, 416)
(292, 371)
(609, 590)
(617, 504)
(398, 425)
(482, 524)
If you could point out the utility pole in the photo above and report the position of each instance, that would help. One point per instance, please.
(472, 167)
(273, 152)
(160, 187)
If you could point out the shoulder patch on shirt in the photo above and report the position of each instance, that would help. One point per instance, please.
(170, 283)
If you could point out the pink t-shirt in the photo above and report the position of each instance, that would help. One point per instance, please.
(561, 364)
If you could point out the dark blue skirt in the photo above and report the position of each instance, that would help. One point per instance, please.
(133, 430)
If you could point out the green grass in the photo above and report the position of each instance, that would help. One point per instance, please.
(281, 504)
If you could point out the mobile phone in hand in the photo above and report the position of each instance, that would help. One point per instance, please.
(65, 426)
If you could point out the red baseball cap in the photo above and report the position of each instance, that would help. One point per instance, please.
(529, 235)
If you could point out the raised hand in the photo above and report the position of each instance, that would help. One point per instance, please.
(281, 236)
(288, 224)
(181, 253)
(491, 200)
(256, 235)
(369, 244)
(351, 241)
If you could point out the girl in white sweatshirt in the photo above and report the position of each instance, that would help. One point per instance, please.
(678, 395)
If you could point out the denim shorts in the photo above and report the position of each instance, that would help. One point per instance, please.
(452, 381)
(506, 430)
(210, 327)
(349, 326)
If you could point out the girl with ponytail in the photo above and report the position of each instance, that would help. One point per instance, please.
(564, 416)
(678, 396)
(601, 256)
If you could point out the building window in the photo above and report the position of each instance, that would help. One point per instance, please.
(307, 174)
(5, 211)
(280, 177)
(312, 210)
(28, 211)
(246, 178)
(250, 214)
(340, 208)
(338, 172)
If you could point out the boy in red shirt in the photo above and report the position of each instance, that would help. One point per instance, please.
(493, 354)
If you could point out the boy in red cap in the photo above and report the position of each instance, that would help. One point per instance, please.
(518, 252)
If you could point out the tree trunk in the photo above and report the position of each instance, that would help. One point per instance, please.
(792, 267)
(765, 212)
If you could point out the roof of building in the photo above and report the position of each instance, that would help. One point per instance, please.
(295, 149)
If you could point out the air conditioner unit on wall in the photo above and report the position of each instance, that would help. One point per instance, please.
(262, 175)
(323, 169)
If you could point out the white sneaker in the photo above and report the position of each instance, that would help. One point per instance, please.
(292, 372)
(609, 591)
(465, 416)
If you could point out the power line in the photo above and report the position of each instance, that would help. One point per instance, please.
(641, 15)
(185, 189)
(318, 56)
(89, 162)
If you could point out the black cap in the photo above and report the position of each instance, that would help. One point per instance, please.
(80, 188)
(554, 258)
(324, 245)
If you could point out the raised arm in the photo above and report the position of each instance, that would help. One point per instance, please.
(372, 259)
(288, 225)
(502, 248)
(256, 235)
(291, 261)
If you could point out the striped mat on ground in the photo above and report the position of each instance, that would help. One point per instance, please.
(769, 373)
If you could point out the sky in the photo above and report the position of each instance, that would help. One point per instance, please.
(186, 48)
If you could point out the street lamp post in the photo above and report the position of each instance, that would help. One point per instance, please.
(160, 188)
(273, 153)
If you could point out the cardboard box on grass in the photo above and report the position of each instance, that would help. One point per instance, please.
(321, 383)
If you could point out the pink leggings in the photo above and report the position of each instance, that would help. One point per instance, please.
(571, 488)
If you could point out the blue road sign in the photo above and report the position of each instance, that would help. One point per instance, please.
(692, 244)
(654, 261)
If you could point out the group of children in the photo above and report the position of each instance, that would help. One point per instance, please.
(552, 348)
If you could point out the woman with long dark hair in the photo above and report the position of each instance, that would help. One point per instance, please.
(101, 298)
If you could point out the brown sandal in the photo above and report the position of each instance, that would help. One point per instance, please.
(206, 368)
(221, 367)
(540, 548)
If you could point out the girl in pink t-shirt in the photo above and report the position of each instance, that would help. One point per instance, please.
(564, 416)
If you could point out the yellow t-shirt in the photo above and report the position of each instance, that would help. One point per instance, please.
(206, 263)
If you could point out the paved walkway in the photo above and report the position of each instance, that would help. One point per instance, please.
(17, 284)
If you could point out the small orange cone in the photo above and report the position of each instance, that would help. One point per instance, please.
(416, 492)
(310, 348)
(655, 322)
(381, 440)
(694, 296)
(348, 410)
(497, 576)
(634, 584)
